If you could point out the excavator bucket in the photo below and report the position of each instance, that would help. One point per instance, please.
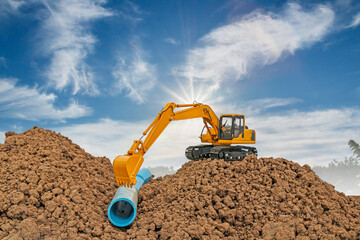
(125, 169)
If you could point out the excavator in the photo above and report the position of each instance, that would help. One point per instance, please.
(220, 135)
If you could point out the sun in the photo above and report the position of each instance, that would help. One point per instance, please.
(191, 91)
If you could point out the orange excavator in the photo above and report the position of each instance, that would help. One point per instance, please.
(220, 135)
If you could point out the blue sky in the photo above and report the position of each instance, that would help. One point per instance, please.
(99, 72)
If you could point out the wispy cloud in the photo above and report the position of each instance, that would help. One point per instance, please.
(356, 21)
(254, 107)
(11, 6)
(172, 41)
(134, 74)
(131, 13)
(260, 105)
(230, 52)
(67, 39)
(3, 62)
(17, 128)
(31, 104)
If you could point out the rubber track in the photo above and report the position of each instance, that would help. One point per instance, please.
(228, 153)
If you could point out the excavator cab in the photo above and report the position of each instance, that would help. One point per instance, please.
(231, 126)
(232, 130)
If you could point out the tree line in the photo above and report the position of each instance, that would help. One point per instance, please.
(345, 174)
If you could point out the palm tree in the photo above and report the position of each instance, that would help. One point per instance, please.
(345, 174)
(356, 149)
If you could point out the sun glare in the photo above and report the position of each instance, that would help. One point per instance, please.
(192, 91)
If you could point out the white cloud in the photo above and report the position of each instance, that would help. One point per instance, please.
(112, 138)
(306, 137)
(172, 41)
(105, 137)
(2, 137)
(68, 40)
(31, 104)
(229, 52)
(314, 137)
(356, 21)
(11, 6)
(15, 4)
(134, 75)
(258, 105)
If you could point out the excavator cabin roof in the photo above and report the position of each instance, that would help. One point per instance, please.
(232, 115)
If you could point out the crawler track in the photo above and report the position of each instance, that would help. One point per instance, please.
(228, 153)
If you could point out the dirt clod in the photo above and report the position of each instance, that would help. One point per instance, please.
(52, 189)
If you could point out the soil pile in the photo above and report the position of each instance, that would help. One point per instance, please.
(52, 189)
(262, 198)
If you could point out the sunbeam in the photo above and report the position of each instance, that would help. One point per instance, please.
(184, 92)
(200, 91)
(173, 94)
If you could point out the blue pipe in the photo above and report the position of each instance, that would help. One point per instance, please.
(122, 209)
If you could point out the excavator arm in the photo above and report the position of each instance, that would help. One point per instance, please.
(127, 166)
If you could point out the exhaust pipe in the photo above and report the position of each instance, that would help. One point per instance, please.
(122, 209)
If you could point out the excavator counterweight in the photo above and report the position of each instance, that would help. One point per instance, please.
(221, 134)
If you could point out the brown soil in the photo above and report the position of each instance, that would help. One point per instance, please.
(52, 189)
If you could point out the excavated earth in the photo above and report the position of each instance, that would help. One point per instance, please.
(50, 188)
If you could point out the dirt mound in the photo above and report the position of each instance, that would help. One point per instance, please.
(52, 189)
(262, 198)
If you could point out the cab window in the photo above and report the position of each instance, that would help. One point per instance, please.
(238, 126)
(226, 128)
